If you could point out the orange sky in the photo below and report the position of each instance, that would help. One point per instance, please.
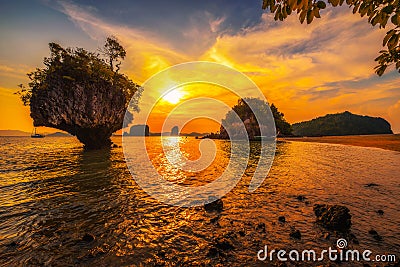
(306, 70)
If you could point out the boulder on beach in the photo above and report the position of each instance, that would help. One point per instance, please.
(295, 234)
(375, 234)
(333, 217)
(216, 205)
(221, 244)
(88, 238)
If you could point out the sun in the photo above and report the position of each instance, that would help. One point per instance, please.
(173, 96)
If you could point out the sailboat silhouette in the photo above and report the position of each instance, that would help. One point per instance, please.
(36, 135)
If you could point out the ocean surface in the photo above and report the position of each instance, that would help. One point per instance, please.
(63, 206)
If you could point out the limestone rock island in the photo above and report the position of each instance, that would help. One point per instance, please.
(82, 93)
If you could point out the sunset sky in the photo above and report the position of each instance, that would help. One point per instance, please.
(306, 70)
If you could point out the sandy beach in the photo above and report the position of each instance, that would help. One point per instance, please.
(386, 141)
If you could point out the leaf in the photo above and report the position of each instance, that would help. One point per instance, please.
(288, 10)
(334, 2)
(395, 19)
(321, 5)
(393, 41)
(265, 4)
(369, 11)
(316, 12)
(373, 13)
(310, 16)
(293, 4)
(375, 20)
(302, 16)
(284, 13)
(305, 4)
(276, 17)
(387, 37)
(388, 9)
(363, 9)
(356, 7)
(277, 13)
(299, 3)
(381, 69)
(384, 20)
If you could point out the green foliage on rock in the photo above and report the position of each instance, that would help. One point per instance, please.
(71, 66)
(79, 92)
(282, 126)
(379, 12)
(344, 123)
(245, 113)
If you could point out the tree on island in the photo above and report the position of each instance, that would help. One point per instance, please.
(282, 126)
(378, 12)
(246, 115)
(79, 92)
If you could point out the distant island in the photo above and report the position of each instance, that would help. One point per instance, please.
(144, 130)
(13, 133)
(345, 123)
(16, 133)
(138, 130)
(59, 134)
(175, 131)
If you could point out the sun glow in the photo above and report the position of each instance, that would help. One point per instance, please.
(173, 96)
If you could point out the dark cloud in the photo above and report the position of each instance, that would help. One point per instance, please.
(178, 19)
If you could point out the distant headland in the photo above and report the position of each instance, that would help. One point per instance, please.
(345, 123)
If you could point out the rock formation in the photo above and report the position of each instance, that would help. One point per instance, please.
(80, 92)
(252, 128)
(139, 130)
(334, 217)
(91, 112)
(344, 123)
(175, 131)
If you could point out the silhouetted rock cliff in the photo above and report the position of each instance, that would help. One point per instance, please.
(139, 130)
(91, 112)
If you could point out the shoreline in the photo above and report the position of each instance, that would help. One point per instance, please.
(384, 141)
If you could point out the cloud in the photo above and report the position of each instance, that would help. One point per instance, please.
(216, 24)
(145, 52)
(310, 70)
(14, 71)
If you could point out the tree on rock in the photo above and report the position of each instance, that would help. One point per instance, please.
(282, 126)
(79, 92)
(245, 113)
(113, 52)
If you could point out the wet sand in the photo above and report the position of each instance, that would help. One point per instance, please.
(384, 141)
